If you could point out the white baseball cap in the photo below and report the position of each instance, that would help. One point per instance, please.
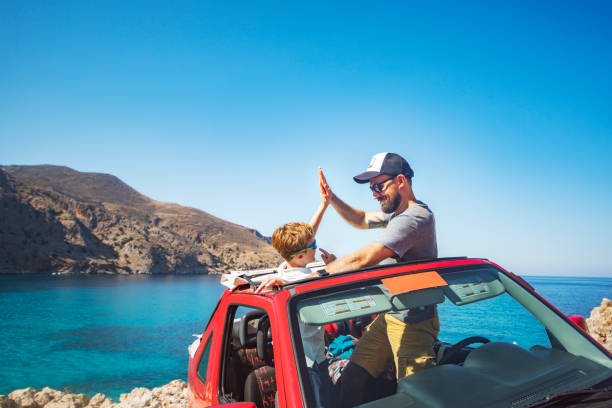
(385, 163)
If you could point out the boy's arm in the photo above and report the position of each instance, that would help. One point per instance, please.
(277, 281)
(317, 217)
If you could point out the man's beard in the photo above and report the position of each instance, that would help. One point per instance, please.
(389, 205)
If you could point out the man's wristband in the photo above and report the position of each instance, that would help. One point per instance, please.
(323, 272)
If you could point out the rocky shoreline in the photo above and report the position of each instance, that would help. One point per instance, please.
(175, 394)
(599, 324)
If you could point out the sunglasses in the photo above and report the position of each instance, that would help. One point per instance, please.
(378, 187)
(311, 246)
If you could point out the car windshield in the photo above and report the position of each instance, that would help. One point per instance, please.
(500, 318)
(493, 335)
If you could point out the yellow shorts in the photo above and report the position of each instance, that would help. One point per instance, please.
(410, 345)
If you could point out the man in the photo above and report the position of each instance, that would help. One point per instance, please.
(407, 337)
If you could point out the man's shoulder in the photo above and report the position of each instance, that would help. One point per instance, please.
(418, 209)
(421, 206)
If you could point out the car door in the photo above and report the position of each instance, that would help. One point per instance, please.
(223, 362)
(203, 364)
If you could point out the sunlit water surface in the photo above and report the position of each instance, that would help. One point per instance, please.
(110, 334)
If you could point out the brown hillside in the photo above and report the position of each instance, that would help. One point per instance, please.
(55, 219)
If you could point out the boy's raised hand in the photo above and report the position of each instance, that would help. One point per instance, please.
(326, 193)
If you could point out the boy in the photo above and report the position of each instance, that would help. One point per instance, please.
(295, 242)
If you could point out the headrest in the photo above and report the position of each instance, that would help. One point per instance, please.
(264, 352)
(243, 331)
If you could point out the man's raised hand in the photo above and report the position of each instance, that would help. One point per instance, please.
(326, 193)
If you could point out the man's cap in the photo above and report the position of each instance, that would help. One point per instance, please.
(385, 163)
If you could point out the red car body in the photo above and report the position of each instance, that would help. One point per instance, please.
(206, 362)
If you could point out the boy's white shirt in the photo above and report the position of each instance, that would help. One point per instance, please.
(283, 271)
(313, 337)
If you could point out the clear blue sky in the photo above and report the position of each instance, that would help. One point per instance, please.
(504, 111)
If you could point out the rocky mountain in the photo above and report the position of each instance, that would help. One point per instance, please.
(56, 219)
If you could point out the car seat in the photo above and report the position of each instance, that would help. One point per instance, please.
(260, 385)
(244, 359)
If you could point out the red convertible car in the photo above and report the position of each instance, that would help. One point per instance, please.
(500, 344)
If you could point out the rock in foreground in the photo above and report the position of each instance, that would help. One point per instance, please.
(600, 323)
(171, 395)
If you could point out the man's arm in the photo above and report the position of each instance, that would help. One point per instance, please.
(369, 255)
(357, 218)
(353, 216)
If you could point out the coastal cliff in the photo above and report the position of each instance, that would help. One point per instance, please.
(56, 219)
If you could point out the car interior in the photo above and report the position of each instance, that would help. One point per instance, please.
(249, 373)
(499, 372)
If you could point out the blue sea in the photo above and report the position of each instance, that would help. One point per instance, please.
(110, 334)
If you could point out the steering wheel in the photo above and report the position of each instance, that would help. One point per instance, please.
(457, 347)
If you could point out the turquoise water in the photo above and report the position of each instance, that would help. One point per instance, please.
(110, 334)
(104, 334)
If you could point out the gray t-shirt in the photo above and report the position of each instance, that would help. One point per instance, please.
(412, 236)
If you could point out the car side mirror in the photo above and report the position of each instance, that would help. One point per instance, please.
(236, 405)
